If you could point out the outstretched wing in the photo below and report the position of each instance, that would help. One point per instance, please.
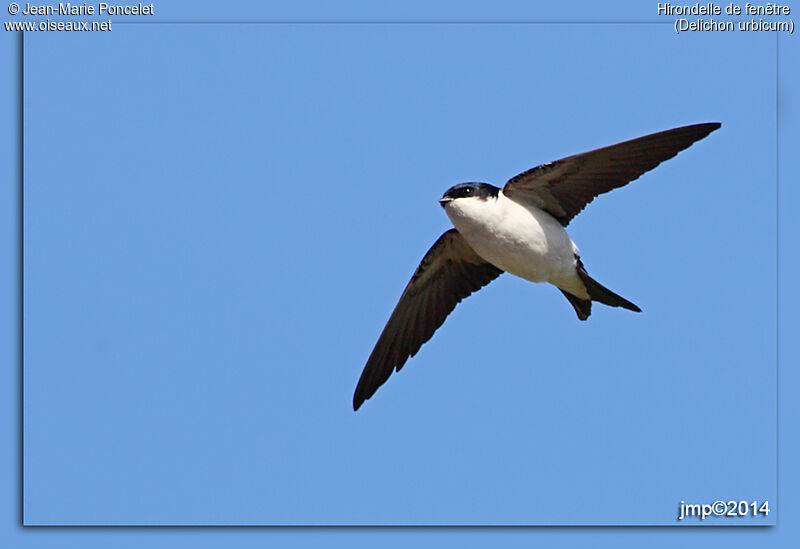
(564, 187)
(448, 273)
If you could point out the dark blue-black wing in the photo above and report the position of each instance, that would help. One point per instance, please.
(564, 187)
(449, 272)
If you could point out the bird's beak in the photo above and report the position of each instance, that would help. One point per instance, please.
(444, 201)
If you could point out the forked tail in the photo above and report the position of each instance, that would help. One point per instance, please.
(597, 292)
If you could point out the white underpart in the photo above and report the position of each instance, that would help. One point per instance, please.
(519, 238)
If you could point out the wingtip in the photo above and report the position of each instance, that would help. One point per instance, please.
(696, 132)
(709, 127)
(704, 127)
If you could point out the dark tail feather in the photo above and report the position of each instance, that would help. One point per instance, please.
(597, 292)
(582, 306)
(602, 294)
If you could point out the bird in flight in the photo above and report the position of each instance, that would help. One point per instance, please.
(517, 229)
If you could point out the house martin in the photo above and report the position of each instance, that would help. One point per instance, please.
(518, 229)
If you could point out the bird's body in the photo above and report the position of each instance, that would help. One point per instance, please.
(520, 239)
(519, 229)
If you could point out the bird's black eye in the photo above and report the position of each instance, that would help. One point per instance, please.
(468, 190)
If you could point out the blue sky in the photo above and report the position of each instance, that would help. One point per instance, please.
(219, 219)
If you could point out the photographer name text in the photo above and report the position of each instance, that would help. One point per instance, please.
(102, 8)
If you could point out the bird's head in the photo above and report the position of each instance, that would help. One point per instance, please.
(461, 194)
(469, 201)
